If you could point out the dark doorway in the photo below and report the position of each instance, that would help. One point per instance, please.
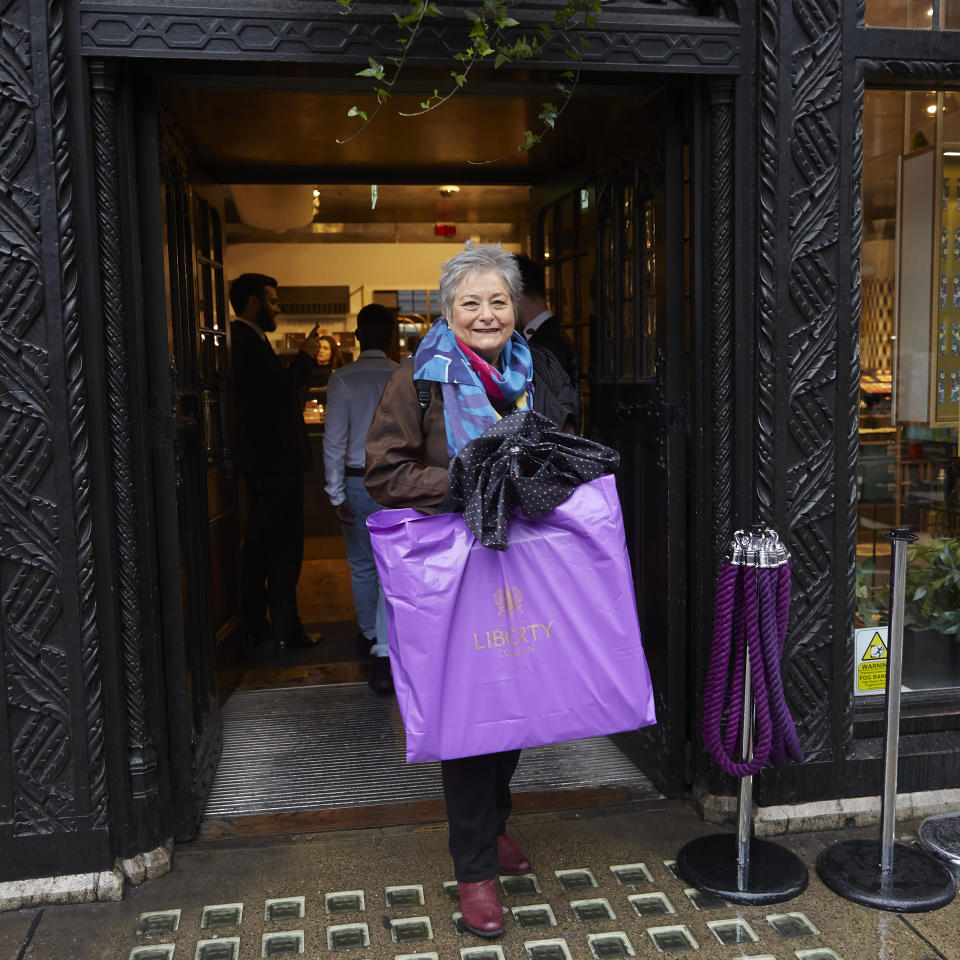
(608, 215)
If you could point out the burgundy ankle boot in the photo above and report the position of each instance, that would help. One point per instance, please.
(480, 908)
(512, 858)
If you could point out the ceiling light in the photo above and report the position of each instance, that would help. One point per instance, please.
(449, 190)
(932, 108)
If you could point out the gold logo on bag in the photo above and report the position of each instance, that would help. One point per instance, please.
(525, 637)
(508, 600)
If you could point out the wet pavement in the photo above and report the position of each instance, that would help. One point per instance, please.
(603, 886)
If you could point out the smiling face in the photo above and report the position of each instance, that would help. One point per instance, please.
(324, 353)
(482, 316)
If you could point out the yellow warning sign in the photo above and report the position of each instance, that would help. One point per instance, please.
(871, 669)
(876, 650)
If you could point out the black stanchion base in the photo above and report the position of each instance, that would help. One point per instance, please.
(940, 834)
(851, 868)
(710, 864)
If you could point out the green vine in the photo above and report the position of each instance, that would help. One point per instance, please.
(492, 40)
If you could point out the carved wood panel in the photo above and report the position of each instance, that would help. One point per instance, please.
(48, 613)
(802, 488)
(663, 36)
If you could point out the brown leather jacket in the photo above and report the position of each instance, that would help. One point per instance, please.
(407, 456)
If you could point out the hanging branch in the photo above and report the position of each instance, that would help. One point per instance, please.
(411, 22)
(487, 38)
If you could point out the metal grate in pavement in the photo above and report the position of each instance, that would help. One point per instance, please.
(341, 745)
(550, 929)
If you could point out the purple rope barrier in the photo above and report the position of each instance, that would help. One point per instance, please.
(751, 613)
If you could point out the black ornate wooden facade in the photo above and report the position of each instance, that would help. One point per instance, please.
(83, 774)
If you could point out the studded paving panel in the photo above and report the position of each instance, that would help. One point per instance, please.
(544, 920)
(335, 746)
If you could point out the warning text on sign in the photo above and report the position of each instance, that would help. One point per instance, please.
(870, 672)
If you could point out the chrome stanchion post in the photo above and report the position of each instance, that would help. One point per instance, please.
(899, 538)
(888, 875)
(745, 802)
(742, 868)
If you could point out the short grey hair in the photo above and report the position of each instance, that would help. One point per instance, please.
(480, 259)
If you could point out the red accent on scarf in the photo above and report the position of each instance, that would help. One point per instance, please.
(489, 375)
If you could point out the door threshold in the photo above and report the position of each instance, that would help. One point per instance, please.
(399, 814)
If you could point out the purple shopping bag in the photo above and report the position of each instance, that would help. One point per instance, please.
(495, 650)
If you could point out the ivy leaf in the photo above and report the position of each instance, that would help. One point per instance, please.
(504, 22)
(425, 104)
(484, 48)
(433, 10)
(500, 61)
(460, 78)
(375, 70)
(549, 114)
(546, 30)
(383, 95)
(356, 112)
(530, 140)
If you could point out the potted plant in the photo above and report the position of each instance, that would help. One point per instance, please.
(931, 614)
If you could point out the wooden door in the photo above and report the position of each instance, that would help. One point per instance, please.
(626, 283)
(196, 487)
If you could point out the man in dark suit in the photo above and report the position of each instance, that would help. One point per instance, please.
(273, 452)
(541, 326)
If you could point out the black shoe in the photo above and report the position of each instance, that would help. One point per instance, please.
(381, 679)
(252, 641)
(254, 638)
(306, 640)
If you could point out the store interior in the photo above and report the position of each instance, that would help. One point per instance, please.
(344, 214)
(909, 464)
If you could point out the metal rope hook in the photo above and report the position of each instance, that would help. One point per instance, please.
(752, 606)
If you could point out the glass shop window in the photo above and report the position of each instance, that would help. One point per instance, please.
(909, 423)
(914, 14)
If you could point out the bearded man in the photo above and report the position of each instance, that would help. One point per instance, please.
(273, 452)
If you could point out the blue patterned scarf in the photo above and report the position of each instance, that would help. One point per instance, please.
(467, 410)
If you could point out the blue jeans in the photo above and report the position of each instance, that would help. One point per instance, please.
(367, 595)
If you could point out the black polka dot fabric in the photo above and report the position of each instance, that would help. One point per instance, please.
(521, 461)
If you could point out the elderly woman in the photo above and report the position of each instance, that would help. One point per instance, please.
(471, 369)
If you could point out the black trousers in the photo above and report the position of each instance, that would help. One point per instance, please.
(477, 792)
(272, 554)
